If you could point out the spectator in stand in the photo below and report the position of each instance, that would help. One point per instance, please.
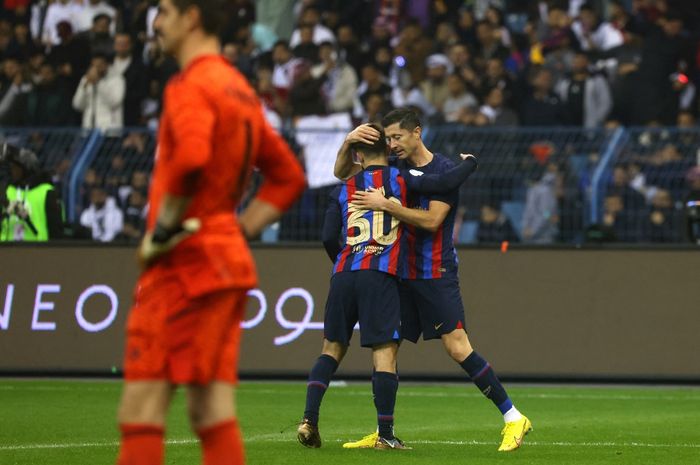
(131, 68)
(375, 108)
(489, 45)
(339, 80)
(622, 186)
(349, 49)
(541, 215)
(49, 102)
(384, 58)
(408, 94)
(460, 57)
(139, 183)
(159, 69)
(312, 17)
(99, 37)
(372, 82)
(466, 28)
(57, 12)
(495, 75)
(134, 216)
(664, 52)
(283, 71)
(620, 222)
(414, 46)
(71, 56)
(382, 32)
(306, 48)
(494, 112)
(662, 223)
(666, 168)
(594, 35)
(624, 87)
(494, 226)
(21, 44)
(542, 107)
(103, 217)
(305, 96)
(460, 105)
(92, 8)
(15, 87)
(434, 87)
(445, 37)
(100, 96)
(494, 16)
(585, 96)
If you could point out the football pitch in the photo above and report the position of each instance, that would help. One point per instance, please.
(47, 422)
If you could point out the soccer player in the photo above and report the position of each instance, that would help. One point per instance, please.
(431, 301)
(184, 327)
(364, 286)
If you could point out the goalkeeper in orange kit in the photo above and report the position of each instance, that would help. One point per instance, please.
(184, 327)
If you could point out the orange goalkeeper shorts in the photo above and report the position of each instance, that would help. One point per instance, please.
(181, 339)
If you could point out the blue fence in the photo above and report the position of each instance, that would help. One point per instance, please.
(537, 185)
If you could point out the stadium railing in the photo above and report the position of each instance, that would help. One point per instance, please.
(606, 184)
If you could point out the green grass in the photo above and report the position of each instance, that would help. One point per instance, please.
(73, 422)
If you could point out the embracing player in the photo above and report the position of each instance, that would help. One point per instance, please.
(431, 301)
(364, 284)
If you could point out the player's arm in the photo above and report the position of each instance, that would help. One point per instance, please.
(429, 219)
(442, 183)
(193, 119)
(332, 227)
(345, 167)
(284, 181)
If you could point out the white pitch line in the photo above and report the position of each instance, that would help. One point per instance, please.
(276, 438)
(341, 391)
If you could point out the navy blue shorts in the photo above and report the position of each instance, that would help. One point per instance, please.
(430, 306)
(368, 296)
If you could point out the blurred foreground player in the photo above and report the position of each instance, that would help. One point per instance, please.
(184, 327)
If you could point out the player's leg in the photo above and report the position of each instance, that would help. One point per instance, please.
(339, 319)
(380, 329)
(442, 316)
(212, 413)
(457, 345)
(319, 380)
(141, 416)
(385, 384)
(448, 323)
(204, 354)
(482, 375)
(147, 390)
(411, 330)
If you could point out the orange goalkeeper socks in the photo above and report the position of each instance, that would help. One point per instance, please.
(141, 445)
(222, 443)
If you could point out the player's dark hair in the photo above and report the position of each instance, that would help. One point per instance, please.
(407, 119)
(377, 148)
(213, 13)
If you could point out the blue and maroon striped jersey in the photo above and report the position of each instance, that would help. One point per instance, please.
(431, 255)
(371, 239)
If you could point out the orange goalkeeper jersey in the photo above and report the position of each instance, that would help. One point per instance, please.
(212, 133)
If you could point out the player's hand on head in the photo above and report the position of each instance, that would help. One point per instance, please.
(371, 199)
(363, 133)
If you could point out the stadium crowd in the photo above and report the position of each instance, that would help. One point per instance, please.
(478, 63)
